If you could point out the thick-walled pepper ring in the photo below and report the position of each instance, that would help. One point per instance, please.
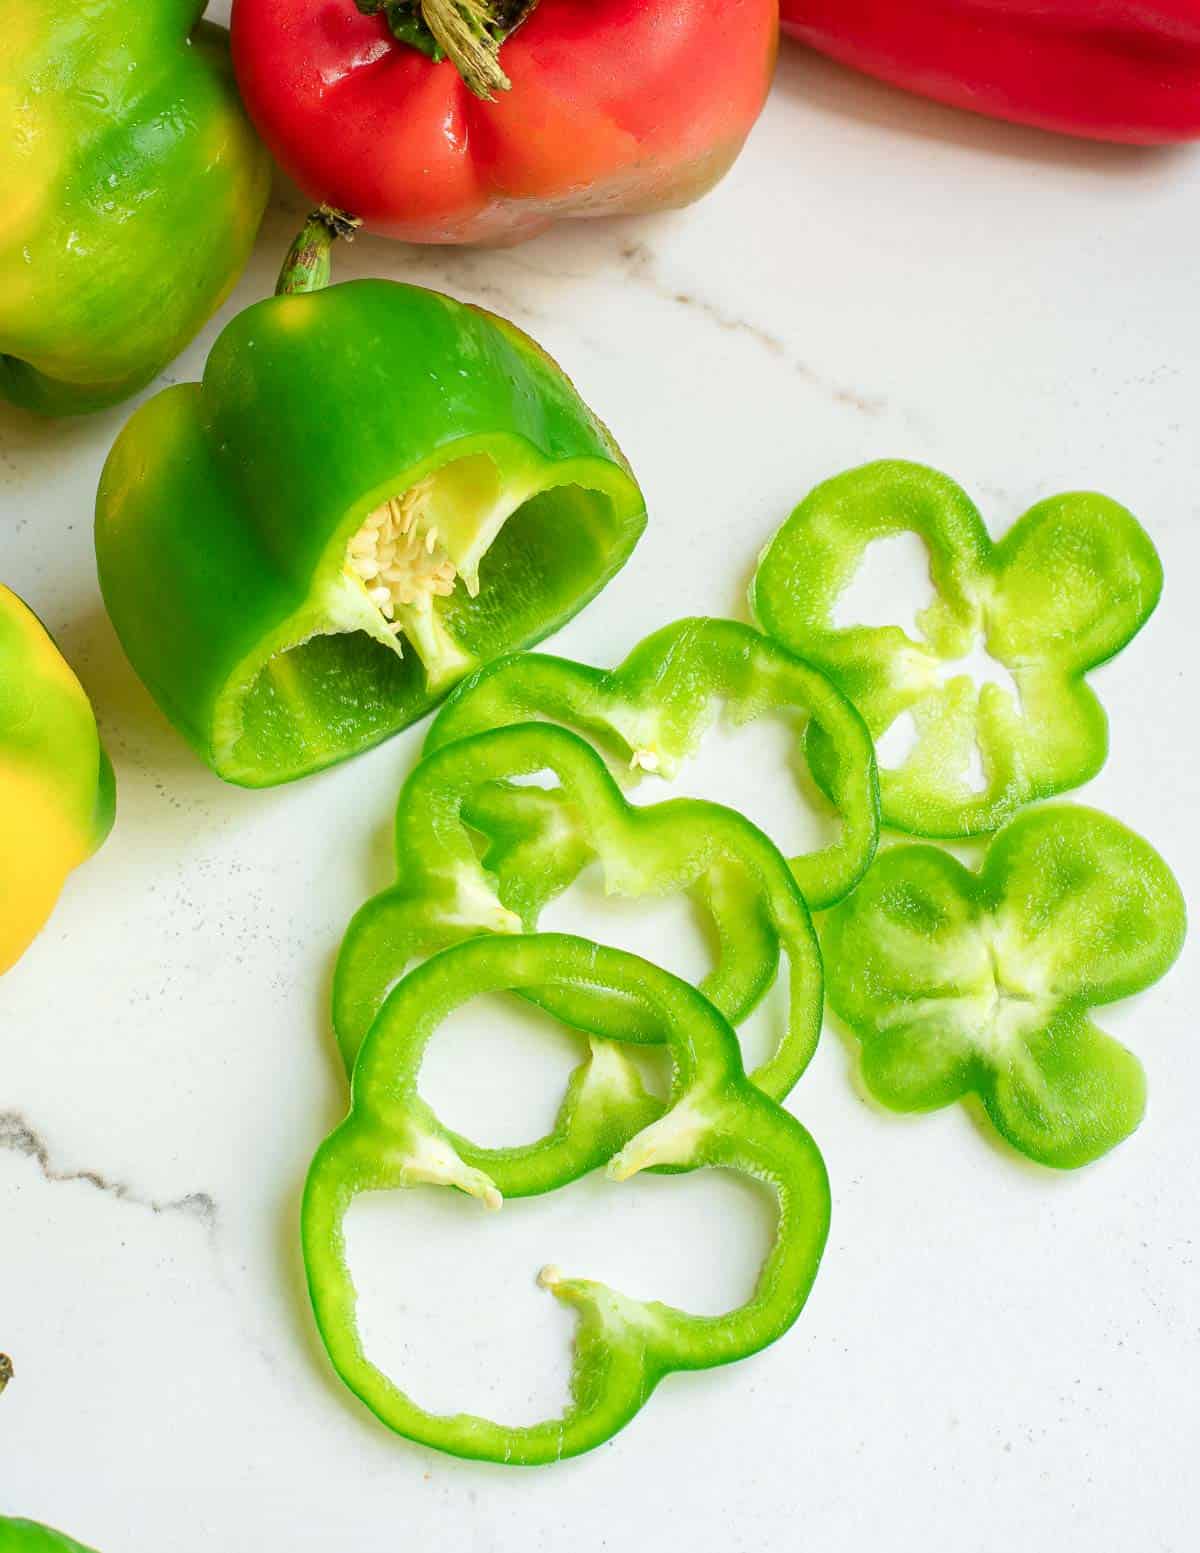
(715, 1117)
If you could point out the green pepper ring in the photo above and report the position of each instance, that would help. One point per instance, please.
(716, 1118)
(653, 709)
(446, 893)
(1069, 585)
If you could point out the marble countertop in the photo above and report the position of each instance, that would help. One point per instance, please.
(993, 1356)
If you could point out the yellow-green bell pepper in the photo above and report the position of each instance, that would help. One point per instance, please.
(56, 785)
(132, 187)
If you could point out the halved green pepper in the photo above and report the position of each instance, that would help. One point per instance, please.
(374, 489)
(537, 844)
(1065, 589)
(959, 983)
(714, 1118)
(57, 792)
(132, 187)
(652, 712)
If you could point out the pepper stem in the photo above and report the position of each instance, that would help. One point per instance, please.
(466, 32)
(308, 265)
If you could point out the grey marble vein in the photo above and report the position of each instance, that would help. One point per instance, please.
(638, 260)
(18, 1136)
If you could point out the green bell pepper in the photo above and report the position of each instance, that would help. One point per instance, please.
(714, 1118)
(132, 187)
(538, 842)
(957, 982)
(1065, 589)
(374, 489)
(652, 712)
(57, 791)
(29, 1537)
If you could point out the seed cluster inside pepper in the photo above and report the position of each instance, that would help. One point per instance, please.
(397, 557)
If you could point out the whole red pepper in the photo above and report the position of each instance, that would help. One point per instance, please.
(1126, 70)
(589, 108)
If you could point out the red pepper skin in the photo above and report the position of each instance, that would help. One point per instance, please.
(1123, 70)
(616, 106)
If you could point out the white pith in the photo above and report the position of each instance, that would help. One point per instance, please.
(431, 1161)
(672, 1140)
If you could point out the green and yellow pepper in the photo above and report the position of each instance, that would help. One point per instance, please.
(959, 983)
(374, 490)
(1067, 587)
(132, 187)
(56, 785)
(714, 1118)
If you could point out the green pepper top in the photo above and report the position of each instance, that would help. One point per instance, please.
(960, 983)
(132, 187)
(714, 1118)
(374, 489)
(1065, 589)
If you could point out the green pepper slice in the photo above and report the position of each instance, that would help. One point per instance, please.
(1065, 589)
(538, 842)
(652, 711)
(715, 1117)
(132, 186)
(374, 489)
(31, 1537)
(957, 982)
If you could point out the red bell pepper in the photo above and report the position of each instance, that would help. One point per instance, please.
(563, 108)
(1126, 70)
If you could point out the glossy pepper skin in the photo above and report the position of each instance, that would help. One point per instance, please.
(227, 511)
(1068, 586)
(29, 1537)
(714, 1117)
(132, 186)
(57, 793)
(616, 106)
(959, 983)
(652, 710)
(537, 843)
(1122, 70)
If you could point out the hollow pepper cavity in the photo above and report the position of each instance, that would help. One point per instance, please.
(374, 489)
(1123, 70)
(459, 121)
(132, 187)
(714, 1118)
(652, 711)
(959, 983)
(538, 842)
(1065, 589)
(57, 793)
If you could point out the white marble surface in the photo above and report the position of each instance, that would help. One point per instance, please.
(993, 1357)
